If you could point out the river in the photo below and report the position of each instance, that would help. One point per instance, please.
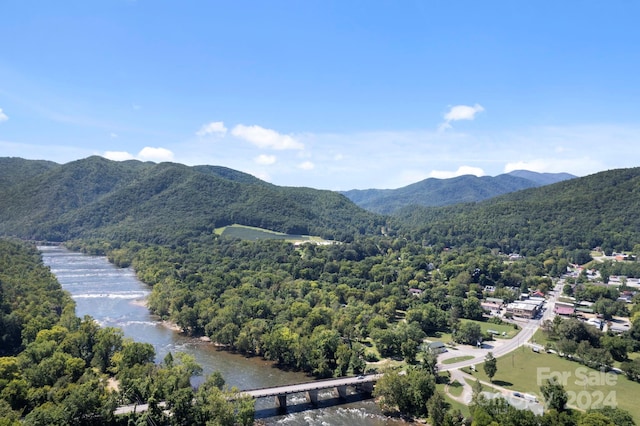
(114, 297)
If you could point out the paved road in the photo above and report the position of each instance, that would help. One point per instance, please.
(502, 347)
(491, 390)
(498, 348)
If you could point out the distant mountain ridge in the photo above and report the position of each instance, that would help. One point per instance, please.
(433, 192)
(542, 178)
(161, 202)
(599, 210)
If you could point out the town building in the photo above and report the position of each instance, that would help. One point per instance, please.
(522, 309)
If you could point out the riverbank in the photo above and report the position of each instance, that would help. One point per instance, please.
(170, 325)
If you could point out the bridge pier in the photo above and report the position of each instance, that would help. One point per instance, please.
(312, 397)
(366, 387)
(281, 402)
(341, 391)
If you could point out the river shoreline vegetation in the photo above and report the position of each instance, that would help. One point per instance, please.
(381, 287)
(57, 369)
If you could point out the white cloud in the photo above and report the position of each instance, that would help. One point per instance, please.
(113, 135)
(460, 112)
(265, 160)
(213, 128)
(118, 155)
(307, 165)
(392, 159)
(265, 138)
(155, 154)
(463, 112)
(462, 170)
(3, 116)
(261, 175)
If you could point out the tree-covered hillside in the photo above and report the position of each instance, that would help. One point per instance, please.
(165, 203)
(434, 192)
(14, 170)
(597, 210)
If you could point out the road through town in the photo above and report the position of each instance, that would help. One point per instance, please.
(501, 347)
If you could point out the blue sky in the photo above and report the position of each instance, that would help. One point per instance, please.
(327, 94)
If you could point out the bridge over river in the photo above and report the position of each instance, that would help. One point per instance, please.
(362, 383)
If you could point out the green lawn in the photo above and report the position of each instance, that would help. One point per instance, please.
(453, 403)
(383, 363)
(500, 328)
(446, 337)
(440, 336)
(524, 370)
(455, 388)
(252, 234)
(457, 359)
(540, 338)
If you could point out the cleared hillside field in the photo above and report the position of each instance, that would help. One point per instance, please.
(253, 234)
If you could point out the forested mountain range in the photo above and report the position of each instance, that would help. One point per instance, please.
(161, 202)
(434, 192)
(578, 214)
(169, 203)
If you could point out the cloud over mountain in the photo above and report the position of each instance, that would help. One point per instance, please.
(265, 138)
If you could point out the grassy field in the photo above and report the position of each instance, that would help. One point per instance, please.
(457, 359)
(524, 370)
(440, 336)
(500, 328)
(540, 338)
(250, 233)
(445, 337)
(455, 388)
(452, 402)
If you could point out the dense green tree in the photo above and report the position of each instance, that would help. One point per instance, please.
(437, 408)
(407, 393)
(490, 366)
(617, 346)
(108, 341)
(429, 360)
(632, 369)
(468, 333)
(554, 395)
(595, 419)
(472, 309)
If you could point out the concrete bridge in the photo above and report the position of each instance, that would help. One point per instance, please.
(363, 383)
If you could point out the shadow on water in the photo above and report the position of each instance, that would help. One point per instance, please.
(293, 407)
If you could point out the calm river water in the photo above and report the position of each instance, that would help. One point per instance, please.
(114, 296)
